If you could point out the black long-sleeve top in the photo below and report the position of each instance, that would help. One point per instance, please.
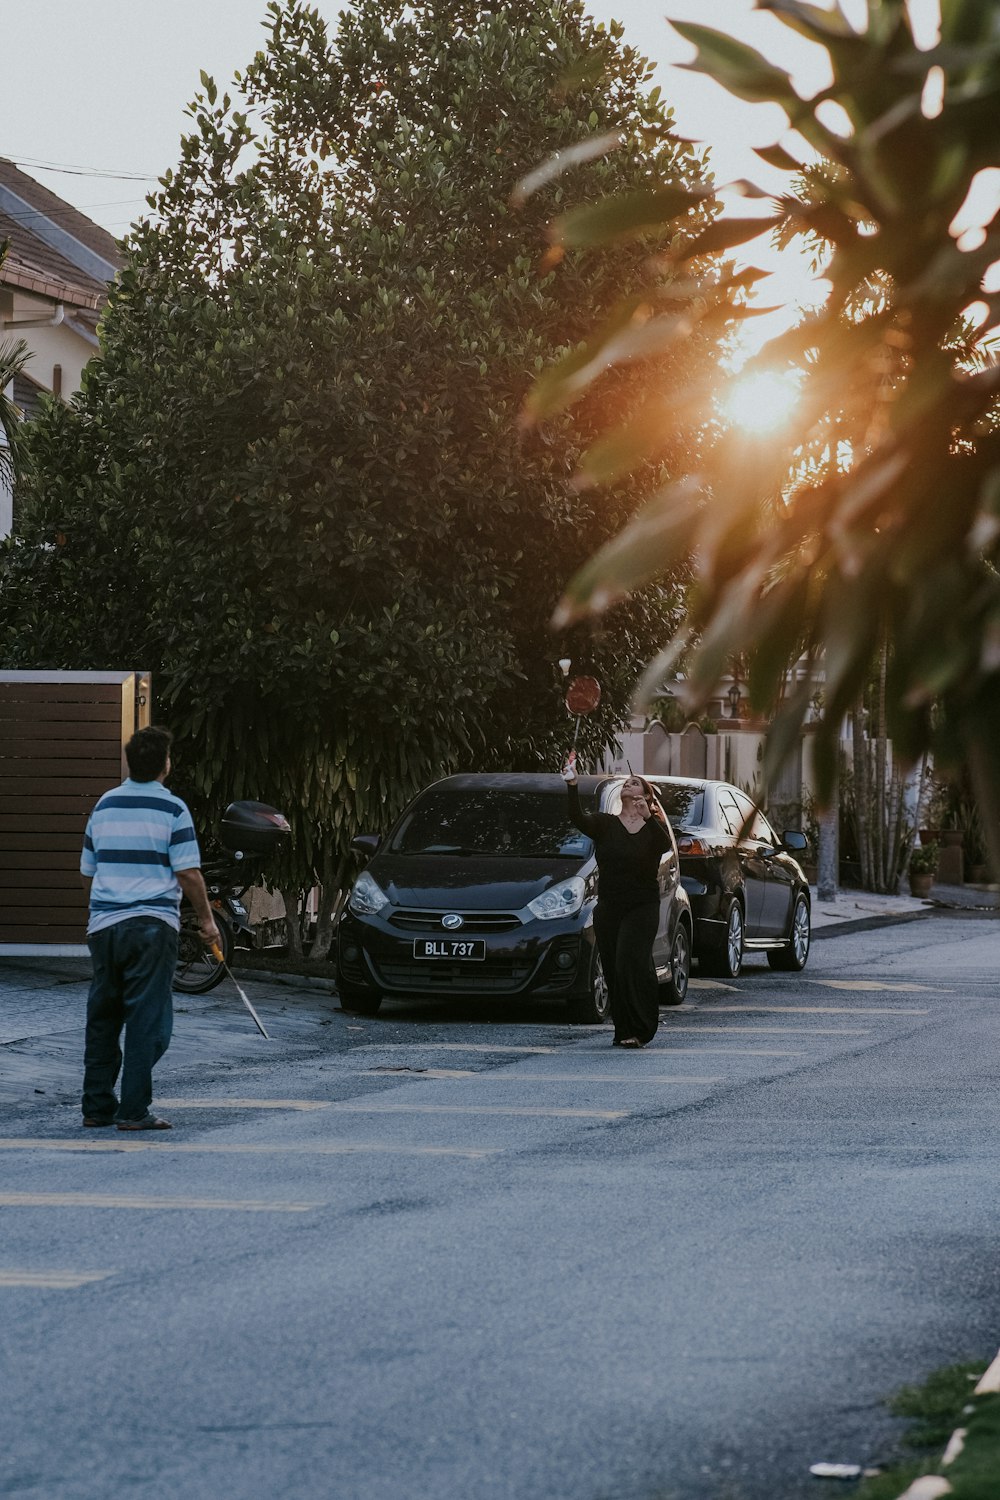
(627, 862)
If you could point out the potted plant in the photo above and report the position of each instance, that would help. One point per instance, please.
(936, 799)
(968, 819)
(922, 868)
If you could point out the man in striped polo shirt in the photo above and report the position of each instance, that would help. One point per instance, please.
(139, 855)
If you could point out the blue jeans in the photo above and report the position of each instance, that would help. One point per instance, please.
(134, 965)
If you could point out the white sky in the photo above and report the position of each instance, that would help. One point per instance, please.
(103, 85)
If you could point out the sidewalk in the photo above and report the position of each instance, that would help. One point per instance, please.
(858, 911)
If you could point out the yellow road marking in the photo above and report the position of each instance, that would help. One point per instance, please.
(445, 1047)
(775, 1030)
(707, 1051)
(403, 1073)
(56, 1280)
(616, 1078)
(712, 984)
(819, 1010)
(552, 1051)
(232, 1148)
(355, 1107)
(506, 1077)
(877, 984)
(133, 1200)
(223, 1103)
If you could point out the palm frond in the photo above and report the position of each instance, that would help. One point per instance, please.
(14, 355)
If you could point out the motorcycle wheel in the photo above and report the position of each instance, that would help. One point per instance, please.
(198, 970)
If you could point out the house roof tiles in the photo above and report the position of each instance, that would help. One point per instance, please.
(49, 205)
(53, 249)
(33, 267)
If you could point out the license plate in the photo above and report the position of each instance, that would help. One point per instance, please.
(449, 947)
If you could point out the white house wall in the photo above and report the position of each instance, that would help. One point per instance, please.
(55, 346)
(61, 345)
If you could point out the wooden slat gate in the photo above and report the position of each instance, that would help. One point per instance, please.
(62, 736)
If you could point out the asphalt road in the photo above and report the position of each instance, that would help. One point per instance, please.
(468, 1255)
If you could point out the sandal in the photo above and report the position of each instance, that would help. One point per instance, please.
(151, 1122)
(630, 1041)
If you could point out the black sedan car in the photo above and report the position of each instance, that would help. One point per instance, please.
(484, 887)
(747, 890)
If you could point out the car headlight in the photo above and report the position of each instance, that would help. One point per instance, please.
(562, 900)
(367, 897)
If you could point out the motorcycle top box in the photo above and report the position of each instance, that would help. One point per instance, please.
(253, 828)
(248, 833)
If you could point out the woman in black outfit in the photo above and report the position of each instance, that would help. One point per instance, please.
(628, 848)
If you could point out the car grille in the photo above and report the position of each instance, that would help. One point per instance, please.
(472, 921)
(496, 976)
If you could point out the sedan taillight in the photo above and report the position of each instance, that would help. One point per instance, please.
(687, 845)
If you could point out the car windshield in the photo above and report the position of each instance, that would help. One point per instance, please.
(489, 821)
(683, 805)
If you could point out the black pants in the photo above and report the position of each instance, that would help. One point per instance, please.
(131, 987)
(625, 942)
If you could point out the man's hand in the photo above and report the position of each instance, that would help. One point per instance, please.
(569, 769)
(209, 933)
(193, 886)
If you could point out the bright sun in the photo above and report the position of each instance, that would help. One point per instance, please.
(762, 401)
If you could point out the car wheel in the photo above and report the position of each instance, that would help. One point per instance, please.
(792, 958)
(594, 1008)
(726, 961)
(676, 987)
(359, 1002)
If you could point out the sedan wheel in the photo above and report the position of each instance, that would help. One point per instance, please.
(359, 1002)
(792, 959)
(726, 962)
(676, 987)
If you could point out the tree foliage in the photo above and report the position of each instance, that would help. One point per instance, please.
(901, 543)
(294, 486)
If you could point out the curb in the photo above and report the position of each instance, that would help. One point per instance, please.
(933, 1486)
(868, 924)
(290, 981)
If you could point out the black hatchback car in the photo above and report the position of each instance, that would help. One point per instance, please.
(484, 887)
(747, 891)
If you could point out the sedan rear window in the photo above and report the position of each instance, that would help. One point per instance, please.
(489, 821)
(683, 805)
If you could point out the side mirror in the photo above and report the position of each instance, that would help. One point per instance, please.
(366, 843)
(794, 841)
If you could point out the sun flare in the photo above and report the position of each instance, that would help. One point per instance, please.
(762, 401)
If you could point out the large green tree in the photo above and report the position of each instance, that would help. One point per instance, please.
(901, 543)
(294, 486)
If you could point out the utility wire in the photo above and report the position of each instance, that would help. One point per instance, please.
(17, 217)
(33, 163)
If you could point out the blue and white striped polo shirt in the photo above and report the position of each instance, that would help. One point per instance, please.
(138, 836)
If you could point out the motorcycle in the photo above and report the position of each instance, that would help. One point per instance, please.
(250, 831)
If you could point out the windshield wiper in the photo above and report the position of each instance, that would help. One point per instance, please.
(443, 849)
